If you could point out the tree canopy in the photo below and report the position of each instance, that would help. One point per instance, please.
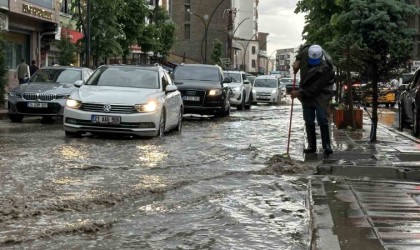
(370, 35)
(116, 25)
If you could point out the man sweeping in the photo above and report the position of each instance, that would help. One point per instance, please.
(315, 92)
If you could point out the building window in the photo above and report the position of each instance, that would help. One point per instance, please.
(187, 31)
(187, 13)
(66, 6)
(44, 3)
(254, 65)
(253, 50)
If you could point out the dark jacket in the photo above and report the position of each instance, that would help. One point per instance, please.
(316, 88)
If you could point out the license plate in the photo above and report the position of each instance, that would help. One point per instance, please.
(191, 98)
(37, 105)
(105, 119)
(264, 97)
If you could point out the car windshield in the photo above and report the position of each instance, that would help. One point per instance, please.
(57, 75)
(266, 83)
(196, 73)
(286, 80)
(125, 77)
(234, 76)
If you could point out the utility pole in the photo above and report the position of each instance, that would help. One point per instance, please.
(88, 34)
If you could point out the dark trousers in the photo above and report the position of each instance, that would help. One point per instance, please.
(309, 114)
(21, 80)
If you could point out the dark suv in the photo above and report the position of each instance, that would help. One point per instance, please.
(409, 105)
(203, 89)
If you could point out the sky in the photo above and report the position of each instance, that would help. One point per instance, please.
(277, 18)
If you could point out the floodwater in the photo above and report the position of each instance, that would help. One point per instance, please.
(220, 184)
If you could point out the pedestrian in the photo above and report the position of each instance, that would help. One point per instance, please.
(315, 92)
(22, 71)
(33, 68)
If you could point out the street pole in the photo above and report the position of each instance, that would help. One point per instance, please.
(268, 60)
(204, 37)
(232, 36)
(246, 47)
(88, 35)
(207, 28)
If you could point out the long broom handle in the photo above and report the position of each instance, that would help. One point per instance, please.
(291, 115)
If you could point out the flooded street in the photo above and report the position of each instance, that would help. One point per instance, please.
(220, 184)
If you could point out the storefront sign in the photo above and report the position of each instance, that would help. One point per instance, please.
(34, 11)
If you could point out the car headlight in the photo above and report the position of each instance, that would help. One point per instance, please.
(274, 91)
(15, 94)
(214, 92)
(74, 104)
(236, 89)
(254, 91)
(148, 107)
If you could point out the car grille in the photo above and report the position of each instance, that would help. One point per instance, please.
(38, 97)
(53, 109)
(121, 109)
(193, 92)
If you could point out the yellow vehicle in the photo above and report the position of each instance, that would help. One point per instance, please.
(386, 96)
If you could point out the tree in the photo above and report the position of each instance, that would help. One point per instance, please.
(67, 49)
(217, 51)
(132, 22)
(105, 30)
(373, 34)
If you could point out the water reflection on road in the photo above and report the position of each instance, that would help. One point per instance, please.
(215, 186)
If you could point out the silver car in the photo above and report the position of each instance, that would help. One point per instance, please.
(125, 100)
(46, 92)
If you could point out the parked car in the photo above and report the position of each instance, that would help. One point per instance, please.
(288, 83)
(125, 99)
(203, 89)
(409, 105)
(46, 92)
(241, 89)
(268, 89)
(251, 78)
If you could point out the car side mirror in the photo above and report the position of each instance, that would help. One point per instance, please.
(78, 83)
(246, 82)
(171, 88)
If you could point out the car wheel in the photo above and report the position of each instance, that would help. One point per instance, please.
(248, 104)
(179, 125)
(47, 120)
(162, 122)
(401, 119)
(15, 118)
(73, 134)
(225, 111)
(242, 105)
(415, 130)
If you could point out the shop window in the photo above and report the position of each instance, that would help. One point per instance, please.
(14, 52)
(187, 31)
(187, 13)
(4, 3)
(44, 3)
(66, 6)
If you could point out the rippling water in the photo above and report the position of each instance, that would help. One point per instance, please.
(215, 186)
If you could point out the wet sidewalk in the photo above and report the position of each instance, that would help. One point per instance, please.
(367, 195)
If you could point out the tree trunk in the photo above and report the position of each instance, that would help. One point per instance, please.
(350, 89)
(374, 119)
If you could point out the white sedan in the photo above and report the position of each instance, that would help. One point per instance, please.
(133, 100)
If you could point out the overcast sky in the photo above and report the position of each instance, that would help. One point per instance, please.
(277, 18)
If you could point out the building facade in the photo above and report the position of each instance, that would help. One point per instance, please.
(284, 61)
(200, 23)
(28, 27)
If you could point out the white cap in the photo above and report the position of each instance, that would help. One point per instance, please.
(315, 54)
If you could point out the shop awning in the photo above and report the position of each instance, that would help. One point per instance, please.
(74, 35)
